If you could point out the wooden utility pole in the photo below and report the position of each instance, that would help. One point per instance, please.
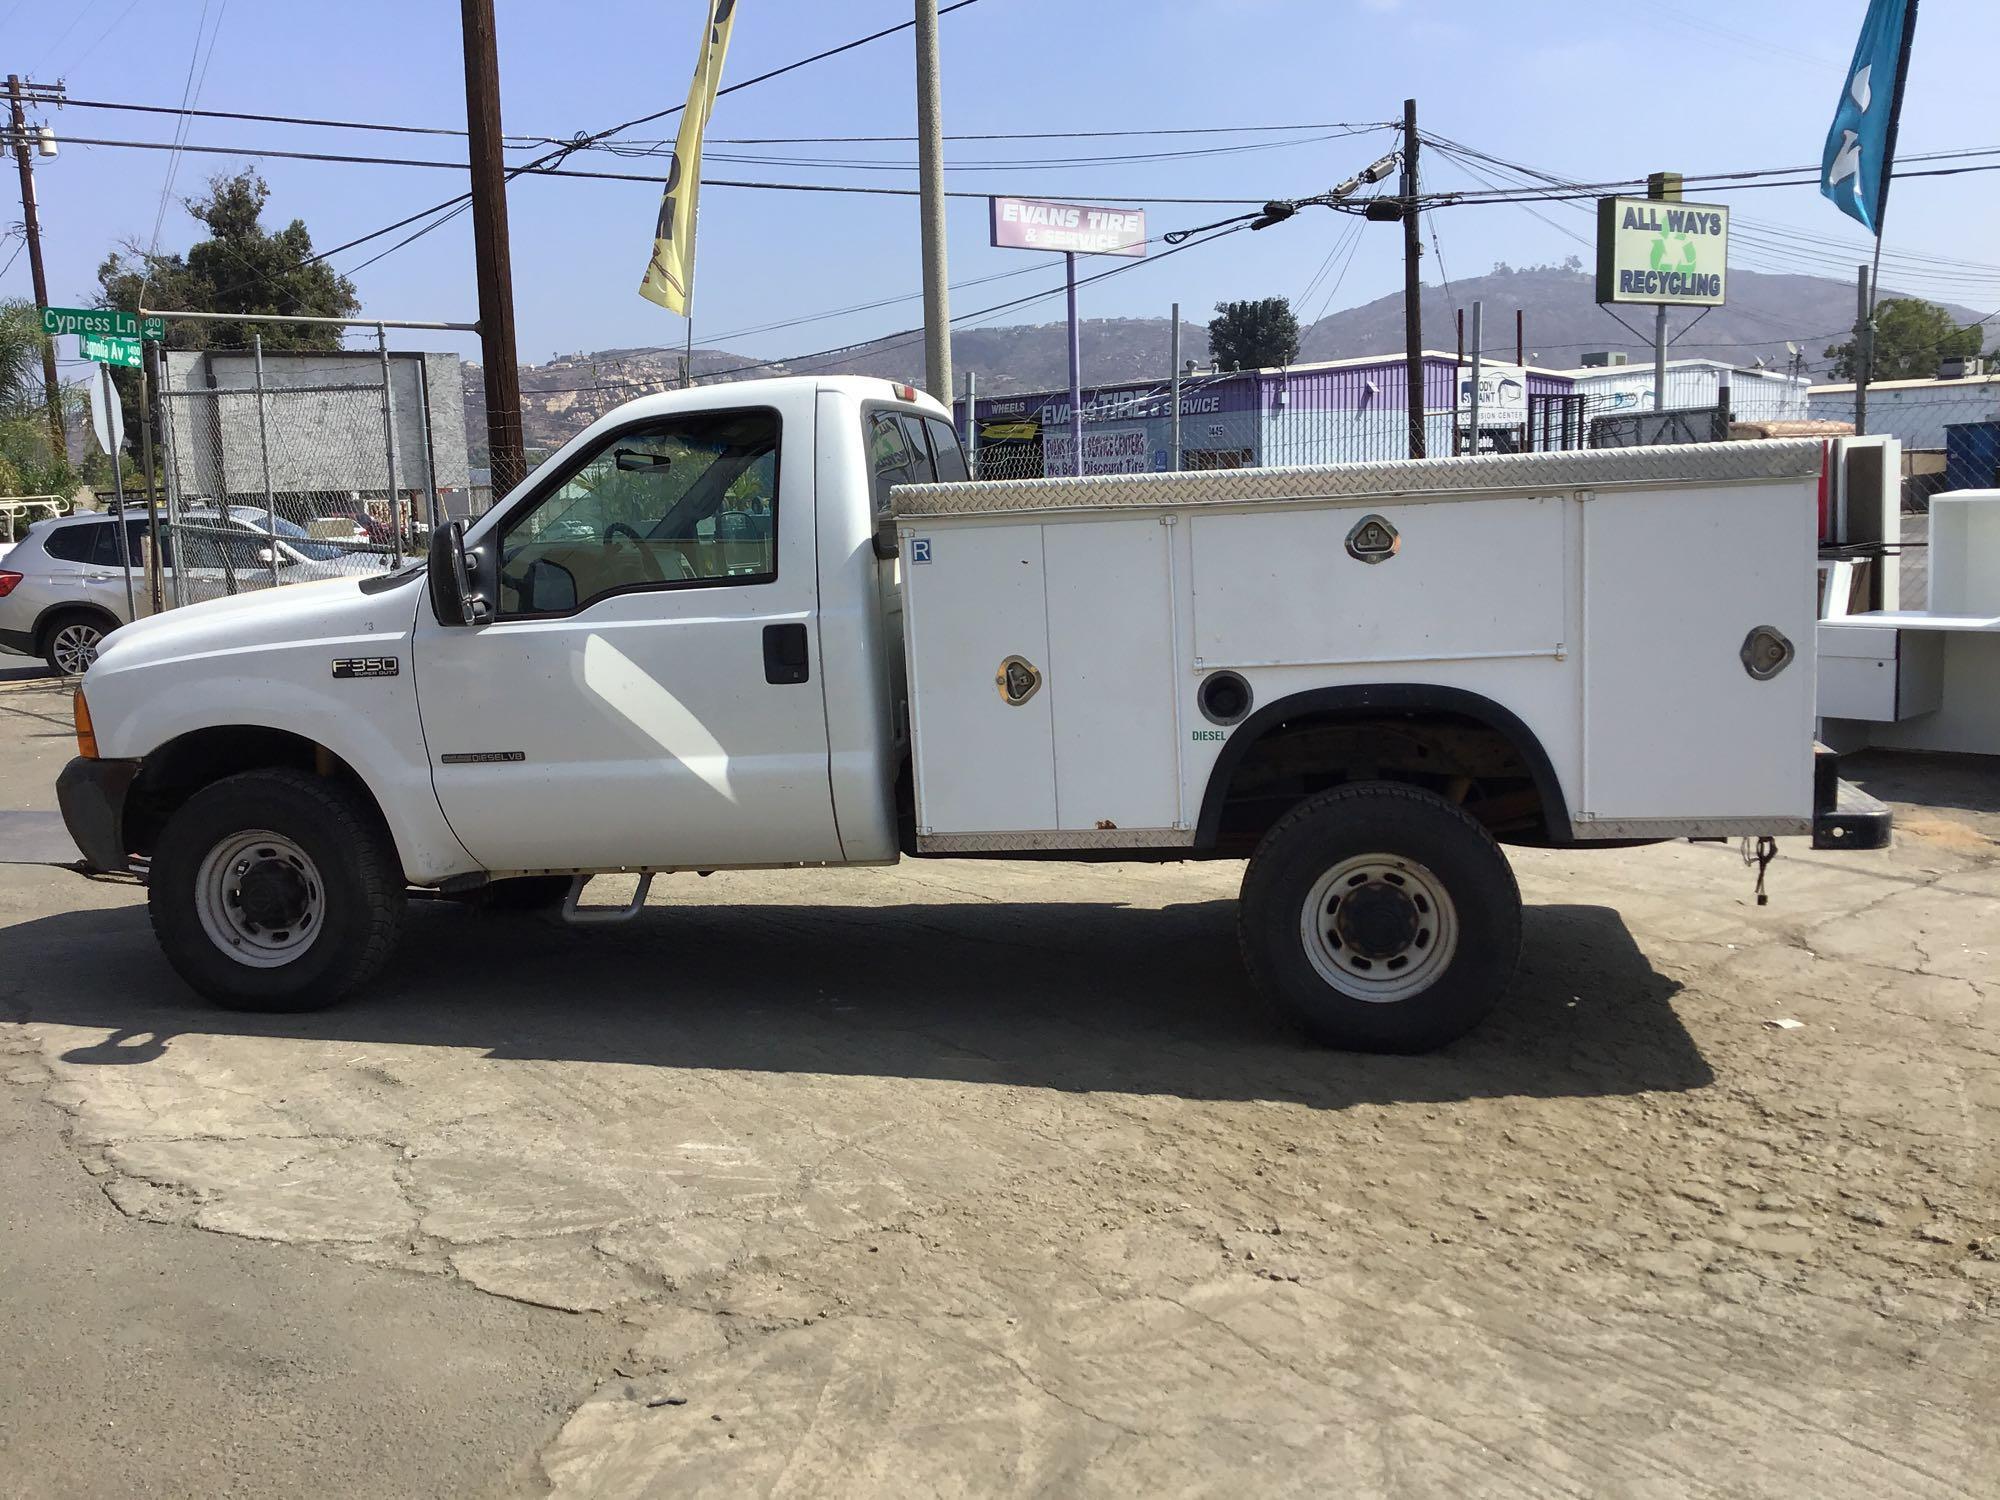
(1413, 291)
(930, 186)
(31, 224)
(489, 248)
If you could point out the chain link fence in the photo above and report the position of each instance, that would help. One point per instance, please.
(297, 467)
(1354, 412)
(1949, 429)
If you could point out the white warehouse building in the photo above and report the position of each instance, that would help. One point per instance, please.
(1916, 411)
(1755, 394)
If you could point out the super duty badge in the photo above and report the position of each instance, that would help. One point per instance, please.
(365, 666)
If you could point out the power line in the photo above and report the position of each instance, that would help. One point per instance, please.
(860, 41)
(526, 139)
(883, 343)
(533, 169)
(119, 20)
(563, 151)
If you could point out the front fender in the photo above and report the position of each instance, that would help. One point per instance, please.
(274, 668)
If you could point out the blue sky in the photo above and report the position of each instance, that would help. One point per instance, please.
(1583, 90)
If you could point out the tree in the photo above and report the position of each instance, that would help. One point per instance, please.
(29, 465)
(1911, 336)
(239, 268)
(1253, 335)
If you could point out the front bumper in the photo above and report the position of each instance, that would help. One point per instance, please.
(91, 794)
(1844, 816)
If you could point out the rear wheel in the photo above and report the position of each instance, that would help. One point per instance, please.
(71, 641)
(1381, 918)
(275, 891)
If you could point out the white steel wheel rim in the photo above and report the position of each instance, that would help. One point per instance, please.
(238, 918)
(75, 647)
(1379, 968)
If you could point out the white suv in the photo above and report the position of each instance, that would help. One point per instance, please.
(62, 586)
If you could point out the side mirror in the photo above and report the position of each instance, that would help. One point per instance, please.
(269, 555)
(452, 599)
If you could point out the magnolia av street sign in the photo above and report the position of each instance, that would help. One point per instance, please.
(104, 323)
(111, 351)
(1662, 251)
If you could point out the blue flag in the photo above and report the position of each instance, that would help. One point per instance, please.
(1854, 170)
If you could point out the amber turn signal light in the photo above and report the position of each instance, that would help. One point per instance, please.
(86, 737)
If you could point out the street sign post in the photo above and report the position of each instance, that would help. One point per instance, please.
(110, 351)
(107, 420)
(1074, 229)
(102, 322)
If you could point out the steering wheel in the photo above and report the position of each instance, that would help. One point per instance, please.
(617, 528)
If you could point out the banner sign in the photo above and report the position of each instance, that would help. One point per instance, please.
(1854, 167)
(1106, 450)
(1036, 224)
(1658, 250)
(669, 278)
(1503, 394)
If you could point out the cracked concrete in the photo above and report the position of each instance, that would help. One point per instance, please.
(992, 1176)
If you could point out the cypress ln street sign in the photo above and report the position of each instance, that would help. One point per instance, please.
(104, 323)
(110, 351)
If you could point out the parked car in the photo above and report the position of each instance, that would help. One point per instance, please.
(62, 586)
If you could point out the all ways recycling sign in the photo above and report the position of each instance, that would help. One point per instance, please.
(1658, 250)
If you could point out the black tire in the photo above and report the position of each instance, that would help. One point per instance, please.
(1425, 844)
(520, 893)
(64, 626)
(360, 879)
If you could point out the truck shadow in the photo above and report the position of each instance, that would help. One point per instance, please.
(1069, 997)
(1076, 997)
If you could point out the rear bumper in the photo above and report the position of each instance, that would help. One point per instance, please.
(1844, 816)
(91, 794)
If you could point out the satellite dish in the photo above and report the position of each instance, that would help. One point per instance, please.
(1790, 347)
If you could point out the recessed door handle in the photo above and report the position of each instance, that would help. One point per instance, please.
(786, 656)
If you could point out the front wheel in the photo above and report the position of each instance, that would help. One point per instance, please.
(275, 891)
(1381, 918)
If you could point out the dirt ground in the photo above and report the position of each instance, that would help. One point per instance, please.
(969, 1178)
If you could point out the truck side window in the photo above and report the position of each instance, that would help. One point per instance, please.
(945, 449)
(682, 502)
(898, 453)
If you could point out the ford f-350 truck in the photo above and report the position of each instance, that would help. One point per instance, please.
(774, 624)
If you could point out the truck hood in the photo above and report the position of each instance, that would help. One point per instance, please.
(338, 613)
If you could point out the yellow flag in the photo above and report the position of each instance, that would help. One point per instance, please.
(669, 278)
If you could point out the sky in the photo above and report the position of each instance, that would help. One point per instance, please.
(1581, 90)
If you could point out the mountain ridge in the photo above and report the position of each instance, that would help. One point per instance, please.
(1560, 319)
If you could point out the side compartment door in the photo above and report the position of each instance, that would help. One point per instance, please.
(645, 692)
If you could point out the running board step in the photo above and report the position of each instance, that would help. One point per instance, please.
(585, 916)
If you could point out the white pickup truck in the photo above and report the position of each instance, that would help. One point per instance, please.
(772, 624)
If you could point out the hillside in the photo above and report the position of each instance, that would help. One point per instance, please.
(1562, 323)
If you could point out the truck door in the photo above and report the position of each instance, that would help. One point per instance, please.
(647, 691)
